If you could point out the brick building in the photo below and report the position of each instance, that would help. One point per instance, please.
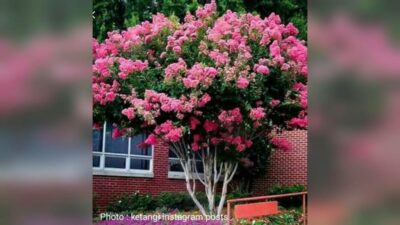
(119, 166)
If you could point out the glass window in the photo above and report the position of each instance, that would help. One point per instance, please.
(115, 145)
(175, 166)
(122, 153)
(140, 164)
(115, 162)
(136, 149)
(96, 161)
(97, 138)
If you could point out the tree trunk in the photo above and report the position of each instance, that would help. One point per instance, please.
(213, 171)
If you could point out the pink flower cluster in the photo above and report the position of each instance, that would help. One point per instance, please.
(129, 112)
(102, 66)
(282, 143)
(199, 75)
(188, 31)
(169, 132)
(301, 122)
(257, 113)
(207, 11)
(220, 58)
(230, 117)
(175, 69)
(104, 93)
(127, 66)
(210, 126)
(239, 142)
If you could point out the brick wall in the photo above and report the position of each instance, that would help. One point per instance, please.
(286, 168)
(107, 188)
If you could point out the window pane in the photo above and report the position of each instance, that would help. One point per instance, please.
(115, 145)
(115, 162)
(171, 154)
(135, 142)
(96, 161)
(97, 138)
(199, 166)
(140, 164)
(175, 166)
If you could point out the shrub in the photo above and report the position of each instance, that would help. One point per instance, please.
(166, 201)
(132, 203)
(288, 202)
(170, 201)
(292, 217)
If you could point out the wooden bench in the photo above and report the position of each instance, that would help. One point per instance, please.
(259, 209)
(252, 210)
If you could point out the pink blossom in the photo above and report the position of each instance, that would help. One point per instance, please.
(110, 96)
(240, 147)
(207, 10)
(174, 69)
(195, 146)
(101, 66)
(299, 122)
(231, 116)
(274, 102)
(177, 49)
(215, 140)
(117, 133)
(193, 122)
(242, 82)
(164, 127)
(257, 113)
(151, 140)
(219, 58)
(210, 126)
(197, 138)
(174, 135)
(282, 143)
(129, 112)
(262, 69)
(204, 100)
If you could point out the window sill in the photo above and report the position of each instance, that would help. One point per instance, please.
(122, 173)
(179, 175)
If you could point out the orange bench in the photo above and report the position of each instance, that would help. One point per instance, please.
(253, 210)
(264, 208)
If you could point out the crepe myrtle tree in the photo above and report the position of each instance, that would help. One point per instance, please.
(212, 88)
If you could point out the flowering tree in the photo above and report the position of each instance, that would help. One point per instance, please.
(212, 88)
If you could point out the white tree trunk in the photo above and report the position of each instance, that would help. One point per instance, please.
(213, 169)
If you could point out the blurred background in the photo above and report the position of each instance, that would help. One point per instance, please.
(354, 88)
(45, 110)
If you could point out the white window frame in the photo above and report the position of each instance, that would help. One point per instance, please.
(176, 174)
(126, 172)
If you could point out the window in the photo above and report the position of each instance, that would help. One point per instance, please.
(120, 156)
(175, 169)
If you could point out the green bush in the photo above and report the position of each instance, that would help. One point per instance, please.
(171, 201)
(289, 202)
(132, 203)
(292, 217)
(164, 202)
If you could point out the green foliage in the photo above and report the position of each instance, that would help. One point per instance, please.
(291, 217)
(166, 201)
(132, 203)
(120, 14)
(288, 202)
